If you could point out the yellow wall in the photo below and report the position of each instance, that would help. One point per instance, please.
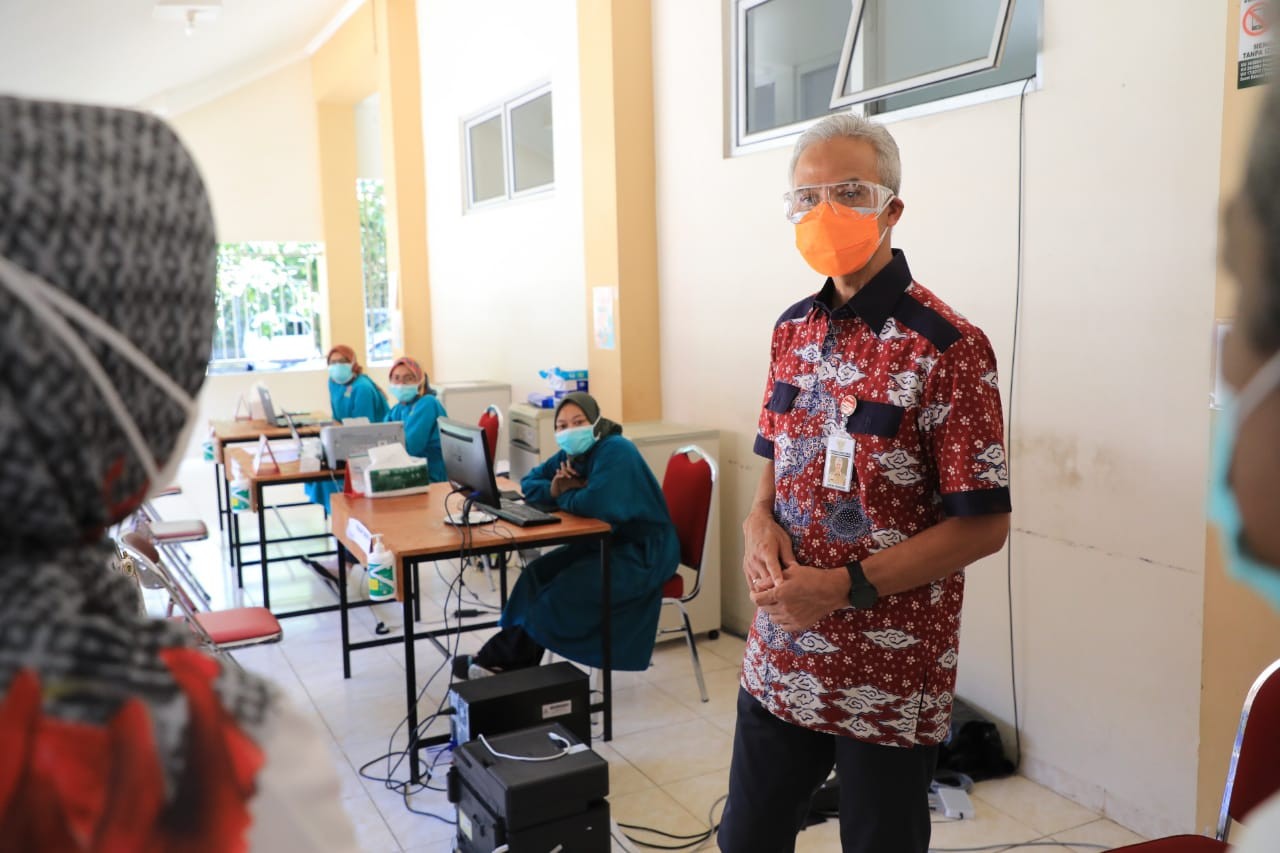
(1241, 633)
(620, 224)
(343, 69)
(375, 50)
(264, 184)
(400, 88)
(344, 282)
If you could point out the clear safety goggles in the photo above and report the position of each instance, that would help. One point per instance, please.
(857, 197)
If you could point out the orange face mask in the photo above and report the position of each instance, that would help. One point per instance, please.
(838, 243)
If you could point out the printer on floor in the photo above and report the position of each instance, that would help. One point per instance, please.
(534, 790)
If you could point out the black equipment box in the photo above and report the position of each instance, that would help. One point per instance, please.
(558, 693)
(534, 806)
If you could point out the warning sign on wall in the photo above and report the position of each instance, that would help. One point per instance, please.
(1254, 65)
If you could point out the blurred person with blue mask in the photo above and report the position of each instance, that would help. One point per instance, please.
(352, 394)
(555, 604)
(1244, 487)
(418, 407)
(117, 732)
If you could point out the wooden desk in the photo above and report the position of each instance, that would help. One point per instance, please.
(413, 528)
(258, 483)
(224, 433)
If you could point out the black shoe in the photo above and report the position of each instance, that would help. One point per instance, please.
(462, 667)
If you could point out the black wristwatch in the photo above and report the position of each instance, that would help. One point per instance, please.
(862, 595)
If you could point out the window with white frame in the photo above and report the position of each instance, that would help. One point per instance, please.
(510, 149)
(797, 60)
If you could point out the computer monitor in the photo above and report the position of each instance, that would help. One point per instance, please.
(467, 461)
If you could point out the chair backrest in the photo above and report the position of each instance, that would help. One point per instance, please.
(152, 574)
(689, 487)
(491, 423)
(1254, 774)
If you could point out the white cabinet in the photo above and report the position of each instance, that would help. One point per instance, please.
(533, 438)
(466, 402)
(657, 440)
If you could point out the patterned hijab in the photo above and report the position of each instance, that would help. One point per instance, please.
(107, 250)
(419, 375)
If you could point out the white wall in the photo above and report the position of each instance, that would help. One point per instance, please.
(1110, 423)
(258, 151)
(508, 295)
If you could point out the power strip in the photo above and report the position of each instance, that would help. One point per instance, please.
(952, 803)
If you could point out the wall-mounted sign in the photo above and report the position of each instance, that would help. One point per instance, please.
(1254, 61)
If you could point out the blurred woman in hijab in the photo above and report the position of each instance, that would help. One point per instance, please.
(1244, 485)
(116, 733)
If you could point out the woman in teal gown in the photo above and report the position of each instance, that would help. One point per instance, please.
(555, 604)
(352, 394)
(418, 407)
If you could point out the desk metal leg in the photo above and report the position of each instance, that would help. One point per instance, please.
(607, 638)
(408, 570)
(417, 598)
(218, 479)
(504, 560)
(262, 544)
(342, 611)
(236, 556)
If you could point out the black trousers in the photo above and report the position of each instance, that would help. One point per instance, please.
(884, 790)
(510, 648)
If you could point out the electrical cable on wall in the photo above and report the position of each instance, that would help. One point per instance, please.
(1013, 381)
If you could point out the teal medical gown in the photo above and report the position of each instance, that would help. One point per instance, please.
(421, 432)
(557, 597)
(359, 398)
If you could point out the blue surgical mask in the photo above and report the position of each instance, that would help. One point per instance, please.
(340, 372)
(404, 393)
(1224, 511)
(576, 440)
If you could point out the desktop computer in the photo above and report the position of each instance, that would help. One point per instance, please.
(556, 693)
(468, 463)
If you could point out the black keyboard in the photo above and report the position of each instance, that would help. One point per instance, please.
(521, 515)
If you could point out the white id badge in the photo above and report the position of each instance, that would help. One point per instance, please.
(838, 471)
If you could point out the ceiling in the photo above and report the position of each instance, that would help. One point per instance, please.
(116, 52)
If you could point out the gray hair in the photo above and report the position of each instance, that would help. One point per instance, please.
(1262, 190)
(888, 162)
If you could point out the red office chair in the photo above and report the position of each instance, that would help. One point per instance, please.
(491, 423)
(1253, 775)
(689, 487)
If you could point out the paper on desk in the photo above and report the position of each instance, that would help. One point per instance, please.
(286, 450)
(360, 535)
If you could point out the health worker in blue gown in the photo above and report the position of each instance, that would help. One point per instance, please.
(418, 407)
(555, 604)
(352, 394)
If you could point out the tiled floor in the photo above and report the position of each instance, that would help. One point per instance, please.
(668, 760)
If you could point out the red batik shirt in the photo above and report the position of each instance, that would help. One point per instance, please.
(929, 444)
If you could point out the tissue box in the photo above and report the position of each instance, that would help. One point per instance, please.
(407, 480)
(393, 472)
